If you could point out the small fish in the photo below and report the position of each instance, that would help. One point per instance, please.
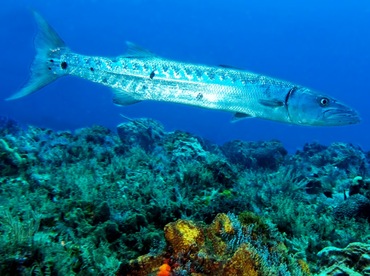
(141, 75)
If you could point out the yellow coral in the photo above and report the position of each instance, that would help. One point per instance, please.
(304, 266)
(182, 235)
(223, 223)
(242, 263)
(144, 265)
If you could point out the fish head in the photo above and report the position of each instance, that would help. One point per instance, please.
(307, 107)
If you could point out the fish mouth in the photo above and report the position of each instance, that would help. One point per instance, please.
(341, 116)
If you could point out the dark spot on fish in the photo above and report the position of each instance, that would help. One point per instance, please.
(52, 60)
(233, 78)
(152, 74)
(145, 87)
(187, 71)
(104, 80)
(165, 68)
(64, 65)
(211, 75)
(268, 91)
(199, 96)
(199, 73)
(91, 69)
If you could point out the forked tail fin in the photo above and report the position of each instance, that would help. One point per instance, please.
(48, 45)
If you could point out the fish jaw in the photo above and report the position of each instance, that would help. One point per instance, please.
(340, 116)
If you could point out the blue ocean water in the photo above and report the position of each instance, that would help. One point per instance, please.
(320, 44)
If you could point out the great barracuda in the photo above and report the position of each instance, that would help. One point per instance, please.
(140, 75)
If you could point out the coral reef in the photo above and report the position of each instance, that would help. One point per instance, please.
(149, 202)
(145, 133)
(354, 259)
(255, 154)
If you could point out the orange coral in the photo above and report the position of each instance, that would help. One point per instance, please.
(164, 270)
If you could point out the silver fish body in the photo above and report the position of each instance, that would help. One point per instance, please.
(140, 75)
(152, 78)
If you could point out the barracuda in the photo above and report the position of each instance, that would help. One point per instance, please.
(140, 75)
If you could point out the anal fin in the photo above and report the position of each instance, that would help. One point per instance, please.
(240, 116)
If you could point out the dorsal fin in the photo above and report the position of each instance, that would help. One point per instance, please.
(136, 51)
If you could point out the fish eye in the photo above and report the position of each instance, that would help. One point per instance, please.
(324, 101)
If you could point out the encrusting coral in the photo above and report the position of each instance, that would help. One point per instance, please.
(199, 249)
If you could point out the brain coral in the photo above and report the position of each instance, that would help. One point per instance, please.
(355, 206)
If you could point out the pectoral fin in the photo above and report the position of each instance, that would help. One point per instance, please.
(272, 103)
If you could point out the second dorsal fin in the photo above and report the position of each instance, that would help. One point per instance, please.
(134, 50)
